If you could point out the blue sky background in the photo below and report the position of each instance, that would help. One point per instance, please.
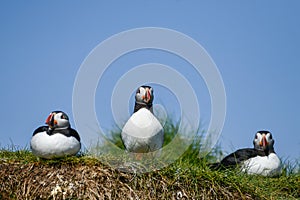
(255, 45)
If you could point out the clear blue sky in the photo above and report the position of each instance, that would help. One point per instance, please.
(255, 45)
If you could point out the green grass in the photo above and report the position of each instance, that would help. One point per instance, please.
(23, 176)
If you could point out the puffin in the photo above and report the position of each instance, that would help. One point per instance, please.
(260, 160)
(143, 133)
(57, 139)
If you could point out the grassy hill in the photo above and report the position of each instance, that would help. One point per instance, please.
(23, 176)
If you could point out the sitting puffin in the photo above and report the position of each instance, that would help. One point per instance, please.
(143, 133)
(260, 160)
(57, 139)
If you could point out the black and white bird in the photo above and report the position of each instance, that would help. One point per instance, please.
(143, 133)
(57, 139)
(260, 160)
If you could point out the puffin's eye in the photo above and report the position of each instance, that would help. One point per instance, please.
(270, 136)
(138, 91)
(64, 117)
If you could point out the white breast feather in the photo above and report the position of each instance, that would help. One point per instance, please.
(57, 145)
(142, 132)
(263, 165)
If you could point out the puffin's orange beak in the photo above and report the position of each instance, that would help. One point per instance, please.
(49, 119)
(147, 97)
(263, 141)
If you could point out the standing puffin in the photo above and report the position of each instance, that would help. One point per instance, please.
(260, 160)
(57, 139)
(143, 133)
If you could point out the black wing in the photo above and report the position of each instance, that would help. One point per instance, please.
(75, 134)
(69, 132)
(40, 129)
(235, 158)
